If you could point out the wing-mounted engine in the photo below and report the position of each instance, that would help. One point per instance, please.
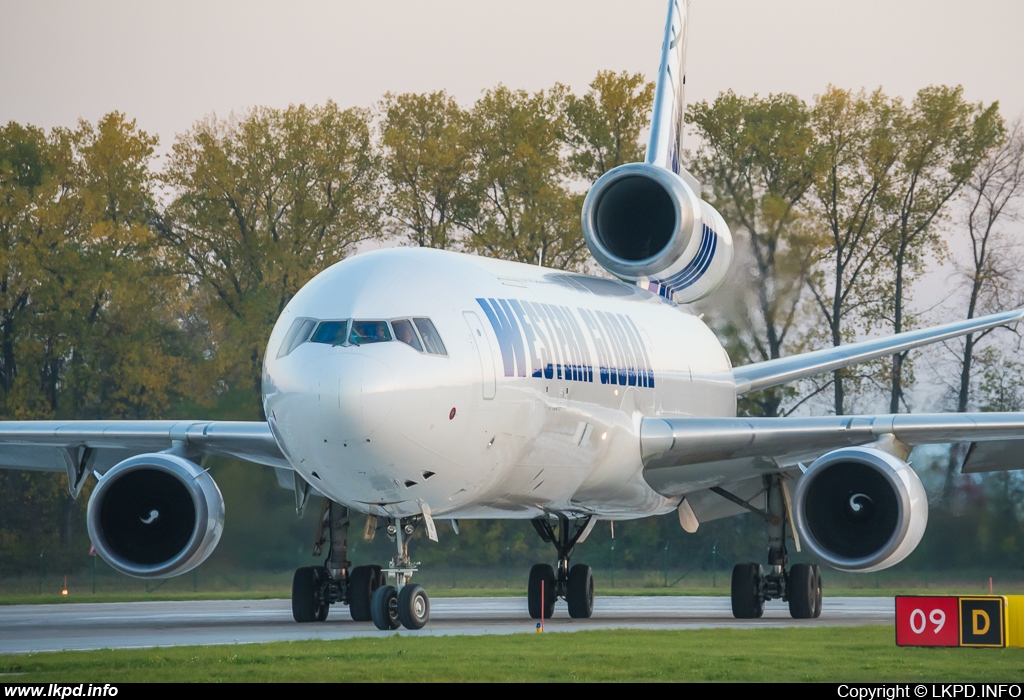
(155, 516)
(646, 224)
(860, 509)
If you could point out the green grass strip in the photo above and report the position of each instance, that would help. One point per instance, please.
(832, 654)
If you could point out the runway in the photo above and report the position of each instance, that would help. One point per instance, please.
(32, 628)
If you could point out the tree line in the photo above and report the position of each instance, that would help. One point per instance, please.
(141, 285)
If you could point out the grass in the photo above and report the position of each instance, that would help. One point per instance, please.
(829, 654)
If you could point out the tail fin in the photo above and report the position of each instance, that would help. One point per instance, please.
(645, 222)
(665, 143)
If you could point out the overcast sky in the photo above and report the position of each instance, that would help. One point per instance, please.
(168, 64)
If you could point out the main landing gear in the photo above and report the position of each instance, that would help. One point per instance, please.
(752, 585)
(364, 588)
(547, 584)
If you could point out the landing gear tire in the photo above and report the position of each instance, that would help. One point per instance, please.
(747, 601)
(803, 588)
(362, 582)
(308, 604)
(580, 591)
(817, 591)
(413, 607)
(542, 578)
(384, 608)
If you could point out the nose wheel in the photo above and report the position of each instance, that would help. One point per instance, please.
(405, 603)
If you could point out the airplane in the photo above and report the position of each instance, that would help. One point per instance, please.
(407, 385)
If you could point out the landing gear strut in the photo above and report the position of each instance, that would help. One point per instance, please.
(547, 584)
(403, 604)
(316, 588)
(752, 585)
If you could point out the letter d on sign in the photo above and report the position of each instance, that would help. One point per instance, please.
(976, 616)
(983, 621)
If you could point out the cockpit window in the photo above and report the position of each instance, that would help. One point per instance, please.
(418, 333)
(405, 333)
(297, 335)
(366, 332)
(431, 339)
(330, 332)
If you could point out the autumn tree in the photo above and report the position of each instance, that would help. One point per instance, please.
(755, 157)
(260, 205)
(856, 156)
(90, 329)
(939, 145)
(428, 165)
(528, 213)
(992, 200)
(990, 276)
(25, 185)
(603, 127)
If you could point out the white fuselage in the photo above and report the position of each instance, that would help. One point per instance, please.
(534, 408)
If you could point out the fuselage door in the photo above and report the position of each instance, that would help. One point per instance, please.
(483, 348)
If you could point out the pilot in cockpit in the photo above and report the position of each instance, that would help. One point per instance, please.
(405, 333)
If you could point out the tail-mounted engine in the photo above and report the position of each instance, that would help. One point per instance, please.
(645, 224)
(155, 516)
(860, 509)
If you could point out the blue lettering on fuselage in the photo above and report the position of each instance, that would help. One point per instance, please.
(547, 341)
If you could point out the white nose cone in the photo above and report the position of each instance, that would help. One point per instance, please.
(365, 395)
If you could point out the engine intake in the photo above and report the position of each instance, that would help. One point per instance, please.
(645, 224)
(860, 509)
(155, 516)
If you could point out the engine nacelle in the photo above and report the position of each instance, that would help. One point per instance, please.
(645, 224)
(155, 516)
(860, 509)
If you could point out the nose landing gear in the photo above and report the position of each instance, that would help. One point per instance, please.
(404, 603)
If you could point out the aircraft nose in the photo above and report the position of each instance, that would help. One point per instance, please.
(366, 394)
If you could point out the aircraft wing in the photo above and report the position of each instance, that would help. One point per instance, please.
(762, 375)
(79, 447)
(682, 455)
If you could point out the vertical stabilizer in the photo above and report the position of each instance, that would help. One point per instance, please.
(665, 143)
(646, 222)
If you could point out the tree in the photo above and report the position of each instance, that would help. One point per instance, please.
(756, 158)
(261, 204)
(428, 165)
(992, 197)
(603, 127)
(853, 134)
(527, 212)
(24, 168)
(89, 329)
(940, 145)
